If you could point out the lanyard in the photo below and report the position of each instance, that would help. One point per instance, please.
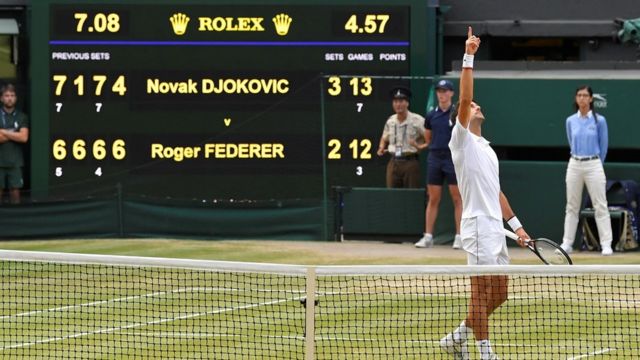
(404, 134)
(4, 120)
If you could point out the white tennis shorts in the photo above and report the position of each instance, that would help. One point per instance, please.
(484, 241)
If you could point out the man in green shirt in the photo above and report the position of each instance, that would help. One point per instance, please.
(14, 131)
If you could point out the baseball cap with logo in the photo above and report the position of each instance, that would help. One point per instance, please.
(444, 84)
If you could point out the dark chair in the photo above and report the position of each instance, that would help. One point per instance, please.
(615, 197)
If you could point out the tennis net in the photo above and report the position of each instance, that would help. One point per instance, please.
(72, 306)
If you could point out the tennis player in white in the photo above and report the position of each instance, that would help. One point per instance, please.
(483, 208)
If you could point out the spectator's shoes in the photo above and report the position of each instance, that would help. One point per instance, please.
(425, 242)
(567, 248)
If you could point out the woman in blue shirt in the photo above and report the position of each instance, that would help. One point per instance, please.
(589, 139)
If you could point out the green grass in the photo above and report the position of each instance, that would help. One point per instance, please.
(105, 312)
(291, 252)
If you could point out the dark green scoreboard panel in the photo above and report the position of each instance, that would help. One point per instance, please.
(235, 100)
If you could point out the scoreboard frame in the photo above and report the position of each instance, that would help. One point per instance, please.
(44, 36)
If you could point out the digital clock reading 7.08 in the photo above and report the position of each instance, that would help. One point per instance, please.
(99, 22)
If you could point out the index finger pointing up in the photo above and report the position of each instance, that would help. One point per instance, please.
(470, 33)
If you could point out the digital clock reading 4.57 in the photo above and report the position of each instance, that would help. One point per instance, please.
(370, 25)
(164, 98)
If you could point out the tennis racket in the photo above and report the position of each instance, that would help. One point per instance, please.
(548, 251)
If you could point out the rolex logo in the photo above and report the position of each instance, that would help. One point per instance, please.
(179, 23)
(282, 22)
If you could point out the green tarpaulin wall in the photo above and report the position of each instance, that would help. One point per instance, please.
(536, 191)
(122, 217)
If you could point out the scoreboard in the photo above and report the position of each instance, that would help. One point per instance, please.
(211, 100)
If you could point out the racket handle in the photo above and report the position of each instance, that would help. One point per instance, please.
(512, 235)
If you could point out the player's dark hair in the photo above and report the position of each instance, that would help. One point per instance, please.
(590, 91)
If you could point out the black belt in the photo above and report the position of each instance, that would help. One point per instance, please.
(585, 158)
(405, 157)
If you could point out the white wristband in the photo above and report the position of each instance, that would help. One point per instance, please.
(467, 61)
(514, 223)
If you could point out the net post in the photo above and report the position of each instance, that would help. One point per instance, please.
(309, 337)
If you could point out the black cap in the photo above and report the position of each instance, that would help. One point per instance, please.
(400, 92)
(444, 84)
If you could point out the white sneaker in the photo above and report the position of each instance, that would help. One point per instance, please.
(425, 242)
(458, 349)
(457, 242)
(607, 250)
(567, 248)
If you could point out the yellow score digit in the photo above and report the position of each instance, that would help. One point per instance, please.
(60, 79)
(365, 152)
(361, 86)
(99, 151)
(119, 86)
(118, 150)
(59, 150)
(360, 149)
(79, 149)
(99, 79)
(352, 24)
(81, 17)
(335, 88)
(79, 82)
(383, 18)
(370, 24)
(113, 22)
(101, 22)
(335, 146)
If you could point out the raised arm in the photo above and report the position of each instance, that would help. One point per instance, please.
(466, 78)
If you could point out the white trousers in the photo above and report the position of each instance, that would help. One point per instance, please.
(591, 173)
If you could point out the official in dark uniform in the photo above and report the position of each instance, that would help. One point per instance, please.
(439, 163)
(14, 131)
(401, 130)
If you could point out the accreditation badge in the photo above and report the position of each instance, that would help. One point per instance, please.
(398, 151)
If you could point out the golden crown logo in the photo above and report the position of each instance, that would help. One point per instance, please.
(282, 22)
(179, 23)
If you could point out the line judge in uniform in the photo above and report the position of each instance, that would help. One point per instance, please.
(400, 131)
(440, 166)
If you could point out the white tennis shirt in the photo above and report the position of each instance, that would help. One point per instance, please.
(477, 173)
